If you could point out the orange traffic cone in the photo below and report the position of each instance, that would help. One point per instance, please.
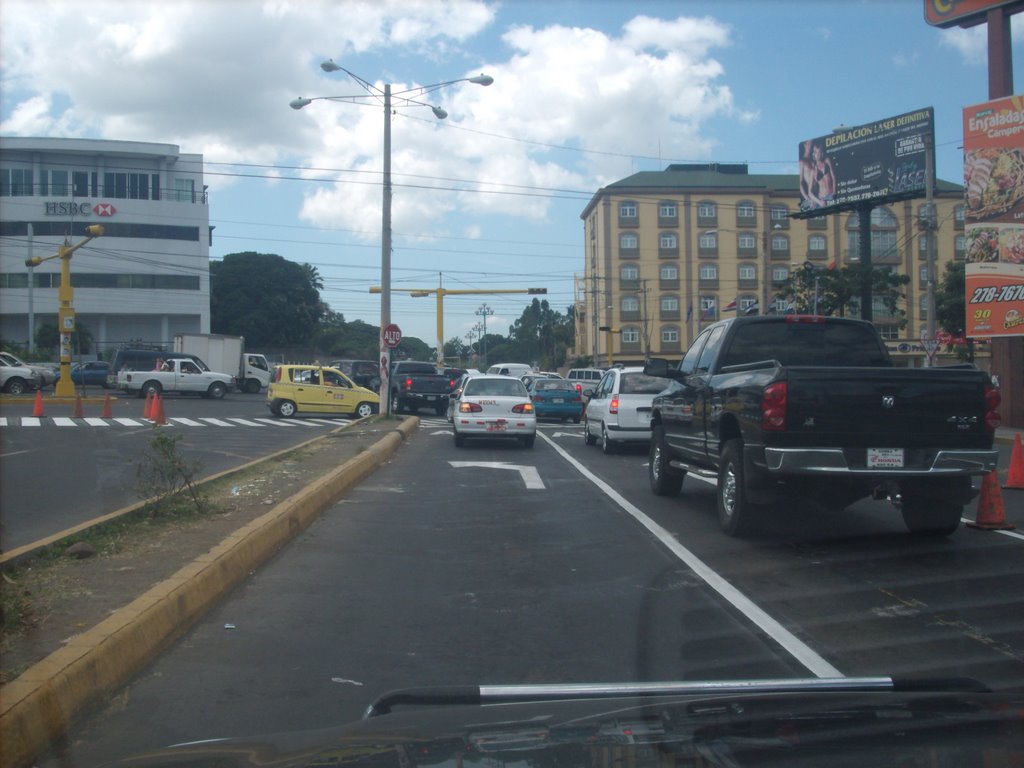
(991, 515)
(108, 411)
(147, 411)
(159, 419)
(37, 409)
(1015, 477)
(78, 407)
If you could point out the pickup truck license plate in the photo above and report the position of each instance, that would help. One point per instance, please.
(885, 458)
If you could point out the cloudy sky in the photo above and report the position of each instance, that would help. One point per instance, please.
(585, 93)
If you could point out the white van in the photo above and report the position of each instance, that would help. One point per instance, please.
(509, 369)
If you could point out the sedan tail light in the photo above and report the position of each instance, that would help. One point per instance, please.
(470, 408)
(523, 408)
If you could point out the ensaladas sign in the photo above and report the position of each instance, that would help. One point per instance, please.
(994, 217)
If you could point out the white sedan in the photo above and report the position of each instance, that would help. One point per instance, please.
(619, 410)
(494, 406)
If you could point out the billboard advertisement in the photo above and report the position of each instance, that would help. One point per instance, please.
(994, 217)
(877, 162)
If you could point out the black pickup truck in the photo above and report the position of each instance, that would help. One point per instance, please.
(415, 385)
(801, 406)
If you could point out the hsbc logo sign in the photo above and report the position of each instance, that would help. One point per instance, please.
(80, 209)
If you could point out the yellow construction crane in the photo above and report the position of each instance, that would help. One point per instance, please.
(442, 292)
(65, 387)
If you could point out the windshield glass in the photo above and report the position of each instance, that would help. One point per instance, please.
(376, 229)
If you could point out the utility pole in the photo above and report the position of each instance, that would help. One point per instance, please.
(484, 311)
(930, 226)
(65, 387)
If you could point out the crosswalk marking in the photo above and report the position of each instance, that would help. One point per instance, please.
(64, 421)
(31, 421)
(129, 422)
(277, 422)
(173, 421)
(92, 421)
(186, 422)
(216, 422)
(246, 422)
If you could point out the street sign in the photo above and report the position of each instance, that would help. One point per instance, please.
(392, 335)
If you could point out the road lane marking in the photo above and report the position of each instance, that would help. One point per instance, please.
(529, 474)
(64, 421)
(31, 421)
(770, 626)
(216, 422)
(130, 422)
(246, 422)
(3, 421)
(1011, 534)
(276, 422)
(93, 421)
(186, 422)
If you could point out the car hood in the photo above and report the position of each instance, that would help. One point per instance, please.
(732, 728)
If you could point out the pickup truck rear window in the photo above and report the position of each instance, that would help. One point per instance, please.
(829, 344)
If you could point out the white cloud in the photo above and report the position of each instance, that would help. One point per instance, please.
(972, 43)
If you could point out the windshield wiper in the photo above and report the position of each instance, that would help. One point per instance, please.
(507, 694)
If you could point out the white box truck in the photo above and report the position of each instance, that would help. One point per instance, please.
(250, 370)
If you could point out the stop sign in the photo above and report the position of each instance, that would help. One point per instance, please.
(392, 335)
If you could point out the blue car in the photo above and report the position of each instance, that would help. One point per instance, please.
(556, 399)
(93, 373)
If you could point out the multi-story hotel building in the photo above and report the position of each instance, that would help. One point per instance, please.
(145, 279)
(669, 251)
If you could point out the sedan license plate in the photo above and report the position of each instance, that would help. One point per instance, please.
(495, 427)
(885, 458)
(558, 400)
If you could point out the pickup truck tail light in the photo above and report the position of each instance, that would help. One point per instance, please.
(613, 406)
(773, 407)
(408, 384)
(470, 408)
(523, 408)
(992, 401)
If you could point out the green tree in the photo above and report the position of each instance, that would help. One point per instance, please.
(541, 335)
(839, 290)
(356, 340)
(951, 307)
(265, 298)
(48, 338)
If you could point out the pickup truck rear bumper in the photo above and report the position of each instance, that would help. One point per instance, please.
(832, 461)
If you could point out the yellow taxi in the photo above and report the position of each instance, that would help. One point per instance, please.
(314, 389)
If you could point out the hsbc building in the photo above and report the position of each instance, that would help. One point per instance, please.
(146, 279)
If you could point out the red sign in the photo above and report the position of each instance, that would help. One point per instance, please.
(966, 13)
(392, 335)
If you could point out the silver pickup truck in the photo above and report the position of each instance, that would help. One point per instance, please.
(175, 375)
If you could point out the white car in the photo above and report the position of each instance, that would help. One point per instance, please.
(494, 406)
(17, 379)
(619, 410)
(46, 374)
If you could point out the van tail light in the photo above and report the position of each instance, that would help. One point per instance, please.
(523, 408)
(613, 406)
(470, 408)
(773, 407)
(992, 402)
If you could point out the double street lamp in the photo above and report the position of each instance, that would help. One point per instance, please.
(390, 101)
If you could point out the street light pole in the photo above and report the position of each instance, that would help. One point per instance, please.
(404, 99)
(484, 311)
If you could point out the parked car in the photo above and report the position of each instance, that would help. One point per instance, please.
(17, 379)
(91, 373)
(556, 399)
(314, 389)
(47, 374)
(495, 406)
(619, 409)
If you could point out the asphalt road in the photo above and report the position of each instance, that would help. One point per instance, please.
(496, 564)
(58, 471)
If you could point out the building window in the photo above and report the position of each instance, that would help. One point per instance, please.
(707, 210)
(629, 241)
(56, 183)
(668, 241)
(780, 274)
(958, 217)
(922, 245)
(630, 304)
(780, 246)
(746, 241)
(817, 247)
(629, 272)
(669, 304)
(746, 214)
(922, 275)
(746, 303)
(627, 210)
(630, 335)
(959, 247)
(780, 216)
(667, 210)
(668, 272)
(708, 272)
(708, 241)
(669, 335)
(16, 182)
(748, 273)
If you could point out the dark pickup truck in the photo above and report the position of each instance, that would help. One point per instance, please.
(416, 385)
(811, 407)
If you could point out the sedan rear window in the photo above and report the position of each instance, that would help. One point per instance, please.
(511, 388)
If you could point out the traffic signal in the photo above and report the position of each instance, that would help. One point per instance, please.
(94, 230)
(537, 290)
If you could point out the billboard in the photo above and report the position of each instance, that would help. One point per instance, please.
(994, 217)
(876, 162)
(966, 13)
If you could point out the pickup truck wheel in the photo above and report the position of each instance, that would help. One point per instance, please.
(931, 517)
(150, 388)
(16, 386)
(286, 408)
(588, 438)
(363, 410)
(736, 514)
(608, 446)
(396, 404)
(665, 479)
(216, 390)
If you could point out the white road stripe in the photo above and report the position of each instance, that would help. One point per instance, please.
(3, 421)
(186, 422)
(217, 422)
(130, 422)
(92, 421)
(277, 422)
(64, 421)
(246, 422)
(790, 642)
(31, 421)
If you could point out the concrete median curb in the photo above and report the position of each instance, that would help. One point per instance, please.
(38, 707)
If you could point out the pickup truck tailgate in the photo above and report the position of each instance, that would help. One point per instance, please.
(897, 407)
